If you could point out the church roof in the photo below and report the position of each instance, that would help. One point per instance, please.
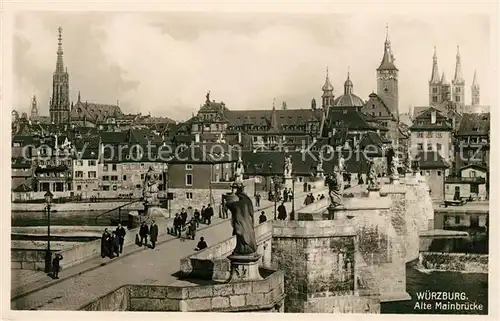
(93, 112)
(348, 100)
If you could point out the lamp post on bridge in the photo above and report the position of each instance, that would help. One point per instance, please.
(48, 255)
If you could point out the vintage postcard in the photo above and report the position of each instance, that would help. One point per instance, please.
(244, 160)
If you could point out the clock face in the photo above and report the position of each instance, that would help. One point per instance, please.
(386, 89)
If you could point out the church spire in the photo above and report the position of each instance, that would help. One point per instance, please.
(475, 90)
(348, 83)
(328, 85)
(435, 70)
(60, 63)
(387, 62)
(458, 79)
(474, 80)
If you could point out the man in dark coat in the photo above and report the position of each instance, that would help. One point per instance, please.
(201, 244)
(285, 195)
(282, 212)
(223, 209)
(262, 217)
(114, 245)
(184, 216)
(143, 233)
(257, 200)
(203, 215)
(209, 212)
(120, 232)
(177, 225)
(197, 217)
(105, 250)
(153, 234)
(56, 265)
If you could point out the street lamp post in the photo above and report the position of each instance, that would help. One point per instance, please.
(275, 195)
(292, 215)
(48, 255)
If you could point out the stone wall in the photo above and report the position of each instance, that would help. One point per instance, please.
(317, 258)
(28, 259)
(456, 262)
(212, 263)
(264, 295)
(71, 207)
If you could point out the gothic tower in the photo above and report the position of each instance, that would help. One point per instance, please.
(59, 103)
(34, 108)
(445, 89)
(435, 83)
(327, 97)
(475, 91)
(387, 79)
(458, 83)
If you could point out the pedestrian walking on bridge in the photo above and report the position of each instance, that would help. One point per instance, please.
(153, 234)
(143, 233)
(56, 265)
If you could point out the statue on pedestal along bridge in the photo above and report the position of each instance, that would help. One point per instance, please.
(239, 171)
(334, 183)
(373, 183)
(288, 167)
(244, 259)
(150, 188)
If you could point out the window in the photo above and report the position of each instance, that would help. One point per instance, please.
(420, 135)
(457, 219)
(429, 147)
(439, 173)
(105, 178)
(472, 174)
(189, 167)
(115, 187)
(105, 188)
(124, 177)
(457, 89)
(189, 179)
(457, 98)
(189, 196)
(92, 174)
(434, 90)
(113, 167)
(373, 114)
(78, 187)
(79, 163)
(434, 99)
(420, 146)
(79, 174)
(429, 134)
(439, 134)
(105, 168)
(438, 147)
(474, 188)
(92, 162)
(142, 176)
(114, 178)
(373, 106)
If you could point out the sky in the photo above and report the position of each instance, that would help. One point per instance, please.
(165, 63)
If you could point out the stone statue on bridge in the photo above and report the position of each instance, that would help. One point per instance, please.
(288, 167)
(335, 187)
(150, 187)
(373, 182)
(242, 220)
(240, 170)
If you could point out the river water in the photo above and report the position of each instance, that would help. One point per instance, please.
(474, 285)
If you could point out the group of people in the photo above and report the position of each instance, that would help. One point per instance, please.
(285, 196)
(146, 231)
(310, 199)
(112, 243)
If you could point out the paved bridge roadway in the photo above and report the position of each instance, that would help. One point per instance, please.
(146, 266)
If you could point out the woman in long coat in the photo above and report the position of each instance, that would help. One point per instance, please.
(105, 250)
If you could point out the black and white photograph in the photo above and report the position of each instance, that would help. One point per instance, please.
(247, 161)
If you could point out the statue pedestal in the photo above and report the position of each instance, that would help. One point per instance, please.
(154, 210)
(395, 179)
(288, 182)
(373, 191)
(244, 267)
(334, 212)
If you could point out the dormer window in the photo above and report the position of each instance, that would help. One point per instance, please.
(475, 129)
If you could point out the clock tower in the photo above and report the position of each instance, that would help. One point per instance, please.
(387, 79)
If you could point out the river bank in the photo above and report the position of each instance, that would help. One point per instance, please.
(75, 207)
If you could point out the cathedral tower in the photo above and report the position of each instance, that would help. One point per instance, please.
(327, 97)
(435, 83)
(387, 79)
(59, 103)
(34, 108)
(475, 91)
(458, 83)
